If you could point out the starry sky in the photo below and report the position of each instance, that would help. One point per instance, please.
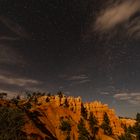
(84, 48)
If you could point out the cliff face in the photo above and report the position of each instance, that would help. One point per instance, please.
(51, 110)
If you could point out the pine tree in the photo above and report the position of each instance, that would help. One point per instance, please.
(83, 133)
(83, 111)
(106, 125)
(93, 123)
(137, 126)
(65, 126)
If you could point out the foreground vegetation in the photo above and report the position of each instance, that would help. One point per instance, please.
(11, 123)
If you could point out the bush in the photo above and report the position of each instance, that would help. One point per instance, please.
(11, 123)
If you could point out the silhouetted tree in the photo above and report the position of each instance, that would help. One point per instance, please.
(47, 99)
(138, 117)
(49, 94)
(3, 95)
(33, 96)
(60, 94)
(66, 103)
(15, 101)
(83, 111)
(137, 126)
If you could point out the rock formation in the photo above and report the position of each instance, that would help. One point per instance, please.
(45, 116)
(70, 108)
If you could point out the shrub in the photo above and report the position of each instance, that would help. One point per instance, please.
(11, 123)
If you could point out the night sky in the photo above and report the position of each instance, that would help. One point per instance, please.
(87, 48)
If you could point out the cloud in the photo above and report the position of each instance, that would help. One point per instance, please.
(133, 98)
(133, 28)
(78, 77)
(21, 82)
(104, 93)
(14, 27)
(119, 14)
(116, 14)
(9, 56)
(84, 81)
(8, 38)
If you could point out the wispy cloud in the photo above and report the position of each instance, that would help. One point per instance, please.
(119, 13)
(78, 77)
(133, 28)
(104, 93)
(133, 98)
(14, 27)
(9, 56)
(8, 38)
(21, 82)
(116, 14)
(84, 81)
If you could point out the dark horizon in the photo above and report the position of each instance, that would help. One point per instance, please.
(83, 48)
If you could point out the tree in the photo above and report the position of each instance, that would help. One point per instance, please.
(66, 104)
(49, 94)
(15, 101)
(47, 99)
(106, 125)
(2, 95)
(66, 127)
(33, 96)
(138, 117)
(83, 133)
(93, 123)
(83, 111)
(11, 123)
(60, 94)
(137, 126)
